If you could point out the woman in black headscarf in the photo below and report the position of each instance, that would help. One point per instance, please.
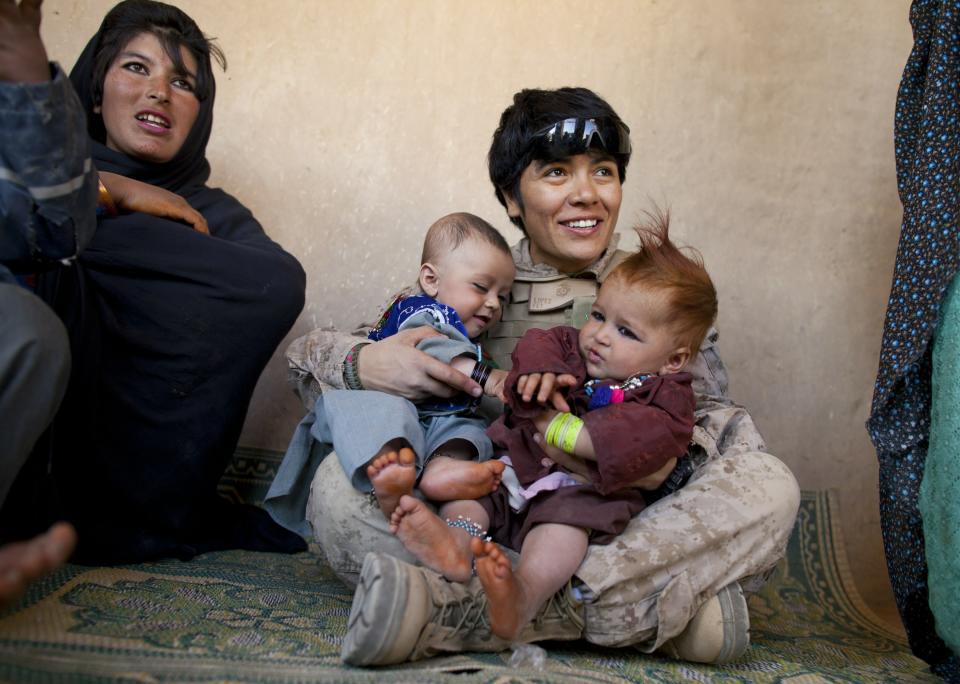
(170, 328)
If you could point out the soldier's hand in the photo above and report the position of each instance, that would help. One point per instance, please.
(396, 366)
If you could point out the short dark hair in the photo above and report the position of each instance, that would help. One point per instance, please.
(533, 110)
(450, 231)
(172, 27)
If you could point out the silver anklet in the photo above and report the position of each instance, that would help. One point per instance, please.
(467, 525)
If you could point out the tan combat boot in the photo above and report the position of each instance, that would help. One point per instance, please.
(718, 633)
(405, 612)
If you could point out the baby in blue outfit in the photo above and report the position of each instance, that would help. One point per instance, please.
(386, 443)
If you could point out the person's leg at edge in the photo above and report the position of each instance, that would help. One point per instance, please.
(550, 554)
(34, 369)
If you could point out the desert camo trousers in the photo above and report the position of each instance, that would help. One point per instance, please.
(730, 522)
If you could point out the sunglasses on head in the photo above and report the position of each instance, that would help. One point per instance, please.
(577, 135)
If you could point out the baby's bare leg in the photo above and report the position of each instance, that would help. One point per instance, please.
(452, 473)
(436, 544)
(551, 554)
(392, 472)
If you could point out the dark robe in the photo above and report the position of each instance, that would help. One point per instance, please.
(170, 330)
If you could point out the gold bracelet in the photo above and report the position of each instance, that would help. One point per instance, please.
(105, 201)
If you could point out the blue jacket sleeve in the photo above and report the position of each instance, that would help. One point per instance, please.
(48, 185)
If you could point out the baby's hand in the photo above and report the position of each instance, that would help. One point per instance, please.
(546, 387)
(496, 384)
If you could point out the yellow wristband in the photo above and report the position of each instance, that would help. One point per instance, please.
(563, 431)
(568, 441)
(553, 428)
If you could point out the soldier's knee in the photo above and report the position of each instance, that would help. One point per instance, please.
(780, 498)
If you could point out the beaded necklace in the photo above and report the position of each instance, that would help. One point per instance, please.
(603, 394)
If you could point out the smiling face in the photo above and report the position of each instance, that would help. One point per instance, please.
(148, 105)
(569, 209)
(474, 279)
(624, 334)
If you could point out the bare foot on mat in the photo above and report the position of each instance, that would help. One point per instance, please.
(24, 562)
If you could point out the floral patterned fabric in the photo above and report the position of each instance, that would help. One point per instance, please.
(928, 164)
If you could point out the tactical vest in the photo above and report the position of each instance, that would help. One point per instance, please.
(545, 302)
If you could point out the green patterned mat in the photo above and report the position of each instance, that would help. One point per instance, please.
(253, 617)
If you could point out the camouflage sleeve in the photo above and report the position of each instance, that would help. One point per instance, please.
(723, 427)
(315, 362)
(708, 371)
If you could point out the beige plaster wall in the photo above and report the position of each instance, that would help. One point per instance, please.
(766, 125)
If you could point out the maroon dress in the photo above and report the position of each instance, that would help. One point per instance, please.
(632, 439)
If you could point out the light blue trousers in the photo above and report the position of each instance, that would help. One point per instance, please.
(356, 424)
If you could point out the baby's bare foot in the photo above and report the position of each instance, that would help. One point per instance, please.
(505, 596)
(431, 540)
(447, 479)
(392, 474)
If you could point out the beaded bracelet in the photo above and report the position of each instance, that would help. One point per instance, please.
(467, 525)
(351, 374)
(480, 373)
(563, 430)
(105, 203)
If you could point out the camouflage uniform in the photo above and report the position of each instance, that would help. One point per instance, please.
(730, 522)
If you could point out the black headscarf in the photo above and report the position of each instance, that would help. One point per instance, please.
(170, 331)
(188, 168)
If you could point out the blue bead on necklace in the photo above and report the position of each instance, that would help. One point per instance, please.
(605, 394)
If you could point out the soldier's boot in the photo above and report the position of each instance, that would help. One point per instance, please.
(405, 612)
(718, 633)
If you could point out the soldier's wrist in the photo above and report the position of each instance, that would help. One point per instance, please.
(351, 367)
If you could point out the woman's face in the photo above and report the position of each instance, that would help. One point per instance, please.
(570, 209)
(148, 106)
